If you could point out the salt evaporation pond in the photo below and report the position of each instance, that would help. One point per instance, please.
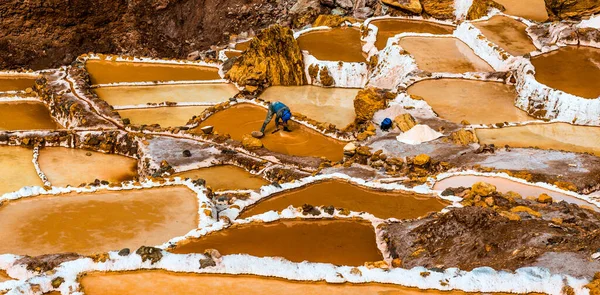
(225, 177)
(96, 222)
(26, 115)
(163, 116)
(18, 169)
(507, 33)
(382, 204)
(390, 27)
(530, 9)
(329, 105)
(243, 45)
(477, 102)
(16, 82)
(443, 54)
(4, 276)
(341, 242)
(337, 44)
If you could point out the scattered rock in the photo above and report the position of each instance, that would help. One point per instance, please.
(544, 199)
(368, 101)
(149, 253)
(364, 151)
(195, 55)
(124, 252)
(56, 282)
(421, 160)
(207, 129)
(413, 6)
(527, 210)
(310, 209)
(250, 142)
(350, 149)
(483, 189)
(187, 153)
(463, 137)
(207, 262)
(405, 122)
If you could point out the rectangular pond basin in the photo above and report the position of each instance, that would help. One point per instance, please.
(454, 100)
(530, 9)
(163, 116)
(507, 33)
(337, 44)
(16, 82)
(443, 55)
(26, 115)
(382, 204)
(66, 166)
(139, 95)
(328, 105)
(341, 242)
(96, 222)
(225, 177)
(244, 118)
(18, 169)
(388, 28)
(106, 71)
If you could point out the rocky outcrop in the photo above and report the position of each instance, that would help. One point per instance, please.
(413, 6)
(368, 101)
(480, 8)
(405, 122)
(442, 9)
(572, 9)
(251, 143)
(463, 137)
(331, 20)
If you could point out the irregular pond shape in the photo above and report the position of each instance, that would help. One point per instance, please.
(572, 69)
(4, 276)
(66, 166)
(231, 54)
(388, 28)
(556, 136)
(530, 9)
(454, 100)
(164, 116)
(97, 222)
(136, 95)
(444, 54)
(244, 118)
(330, 105)
(18, 169)
(507, 33)
(382, 204)
(336, 44)
(341, 242)
(505, 185)
(225, 177)
(26, 115)
(16, 82)
(106, 71)
(171, 283)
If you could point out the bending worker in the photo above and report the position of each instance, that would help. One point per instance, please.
(282, 113)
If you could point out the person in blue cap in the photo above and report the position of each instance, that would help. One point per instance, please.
(282, 113)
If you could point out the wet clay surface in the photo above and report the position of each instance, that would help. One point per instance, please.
(454, 100)
(441, 54)
(530, 9)
(97, 222)
(26, 116)
(135, 95)
(18, 169)
(242, 119)
(104, 72)
(557, 136)
(170, 283)
(572, 69)
(339, 242)
(4, 276)
(164, 116)
(225, 177)
(66, 166)
(507, 33)
(337, 44)
(400, 205)
(388, 28)
(331, 105)
(16, 83)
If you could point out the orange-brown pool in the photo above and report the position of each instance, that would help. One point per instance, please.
(225, 177)
(26, 115)
(530, 9)
(18, 169)
(337, 44)
(388, 28)
(507, 33)
(16, 82)
(163, 116)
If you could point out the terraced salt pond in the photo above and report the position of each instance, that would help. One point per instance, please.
(504, 185)
(242, 119)
(26, 115)
(66, 166)
(507, 33)
(572, 69)
(225, 177)
(18, 169)
(106, 71)
(530, 9)
(341, 242)
(331, 105)
(163, 116)
(336, 44)
(4, 277)
(388, 28)
(400, 205)
(96, 222)
(243, 45)
(16, 82)
(443, 54)
(453, 100)
(556, 136)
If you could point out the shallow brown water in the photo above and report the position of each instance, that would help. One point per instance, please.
(390, 27)
(18, 170)
(507, 33)
(244, 118)
(442, 54)
(400, 205)
(135, 95)
(340, 242)
(164, 116)
(225, 177)
(557, 136)
(66, 166)
(337, 44)
(243, 45)
(454, 100)
(331, 105)
(16, 82)
(104, 72)
(26, 116)
(572, 69)
(231, 54)
(4, 276)
(530, 9)
(97, 222)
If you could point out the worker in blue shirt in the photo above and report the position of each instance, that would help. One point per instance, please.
(282, 116)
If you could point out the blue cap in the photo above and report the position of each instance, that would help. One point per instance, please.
(287, 115)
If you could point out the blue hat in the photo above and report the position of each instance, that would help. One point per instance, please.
(286, 116)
